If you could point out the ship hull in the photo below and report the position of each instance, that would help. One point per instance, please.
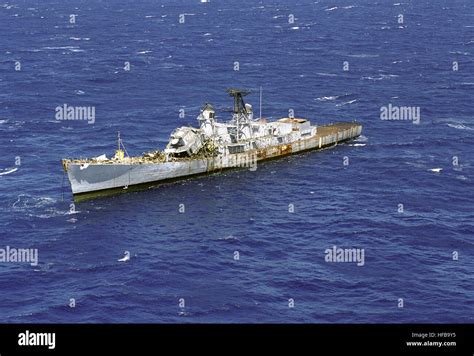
(93, 180)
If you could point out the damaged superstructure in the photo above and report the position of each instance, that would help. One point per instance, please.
(211, 147)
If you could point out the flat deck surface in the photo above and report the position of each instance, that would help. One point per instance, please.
(334, 128)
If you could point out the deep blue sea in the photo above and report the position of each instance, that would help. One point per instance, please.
(182, 267)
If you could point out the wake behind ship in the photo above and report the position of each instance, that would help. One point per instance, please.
(213, 147)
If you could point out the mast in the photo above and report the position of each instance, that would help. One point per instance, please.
(260, 103)
(240, 114)
(119, 153)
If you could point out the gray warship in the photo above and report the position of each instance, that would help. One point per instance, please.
(212, 147)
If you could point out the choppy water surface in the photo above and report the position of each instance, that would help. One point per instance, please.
(190, 257)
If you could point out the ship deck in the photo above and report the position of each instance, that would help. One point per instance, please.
(334, 128)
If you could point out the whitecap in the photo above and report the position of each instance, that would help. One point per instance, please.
(347, 102)
(8, 171)
(327, 74)
(326, 98)
(331, 9)
(380, 77)
(61, 47)
(363, 55)
(228, 237)
(171, 65)
(461, 127)
(125, 258)
(361, 138)
(35, 202)
(436, 170)
(81, 38)
(459, 52)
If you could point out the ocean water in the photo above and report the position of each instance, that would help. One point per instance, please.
(280, 219)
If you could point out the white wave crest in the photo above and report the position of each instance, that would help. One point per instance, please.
(326, 98)
(461, 127)
(347, 102)
(361, 138)
(8, 171)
